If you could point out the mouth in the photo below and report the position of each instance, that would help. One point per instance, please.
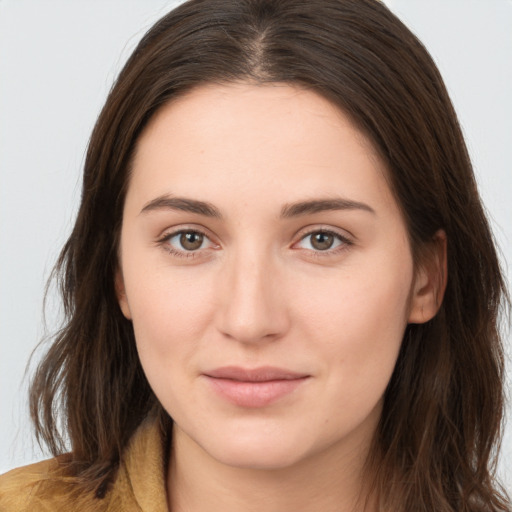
(253, 388)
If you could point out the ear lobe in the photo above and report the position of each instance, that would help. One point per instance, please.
(430, 281)
(121, 295)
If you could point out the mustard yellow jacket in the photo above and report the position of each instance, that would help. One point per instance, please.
(139, 485)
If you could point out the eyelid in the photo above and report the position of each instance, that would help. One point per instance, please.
(173, 230)
(319, 228)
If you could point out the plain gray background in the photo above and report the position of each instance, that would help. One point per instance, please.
(58, 60)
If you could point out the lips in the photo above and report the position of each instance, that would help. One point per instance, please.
(254, 388)
(262, 374)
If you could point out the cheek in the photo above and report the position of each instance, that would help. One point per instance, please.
(170, 312)
(359, 325)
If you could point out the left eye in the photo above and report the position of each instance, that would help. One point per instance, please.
(322, 241)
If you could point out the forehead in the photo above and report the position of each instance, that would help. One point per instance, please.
(254, 139)
(244, 111)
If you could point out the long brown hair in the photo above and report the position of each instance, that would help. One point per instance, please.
(440, 428)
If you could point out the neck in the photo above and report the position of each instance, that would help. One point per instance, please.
(332, 481)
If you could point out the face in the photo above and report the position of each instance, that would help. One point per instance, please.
(266, 269)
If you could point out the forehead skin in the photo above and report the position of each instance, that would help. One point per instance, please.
(206, 128)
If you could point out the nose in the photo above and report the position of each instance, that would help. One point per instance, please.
(252, 301)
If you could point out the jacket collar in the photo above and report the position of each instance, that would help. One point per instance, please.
(141, 481)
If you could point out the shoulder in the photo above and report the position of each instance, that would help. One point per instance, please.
(18, 487)
(139, 483)
(38, 487)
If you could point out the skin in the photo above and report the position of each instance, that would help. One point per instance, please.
(259, 291)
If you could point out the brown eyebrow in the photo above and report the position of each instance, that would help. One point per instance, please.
(322, 205)
(167, 202)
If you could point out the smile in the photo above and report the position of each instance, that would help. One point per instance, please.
(254, 388)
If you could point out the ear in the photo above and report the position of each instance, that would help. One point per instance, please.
(429, 281)
(121, 294)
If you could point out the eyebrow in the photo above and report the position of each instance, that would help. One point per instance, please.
(167, 202)
(322, 205)
(298, 209)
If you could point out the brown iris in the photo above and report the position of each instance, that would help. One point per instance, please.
(191, 240)
(322, 241)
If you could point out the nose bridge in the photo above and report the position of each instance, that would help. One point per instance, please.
(252, 305)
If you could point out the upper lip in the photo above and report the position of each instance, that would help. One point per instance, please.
(261, 374)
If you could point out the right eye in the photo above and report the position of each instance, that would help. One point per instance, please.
(186, 242)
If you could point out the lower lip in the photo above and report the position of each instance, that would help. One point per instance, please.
(254, 394)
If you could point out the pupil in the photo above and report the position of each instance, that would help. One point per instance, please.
(322, 241)
(191, 241)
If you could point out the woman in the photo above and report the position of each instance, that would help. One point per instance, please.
(281, 288)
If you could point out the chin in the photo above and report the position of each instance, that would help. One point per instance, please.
(268, 458)
(247, 450)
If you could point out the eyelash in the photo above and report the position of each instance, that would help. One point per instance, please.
(345, 243)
